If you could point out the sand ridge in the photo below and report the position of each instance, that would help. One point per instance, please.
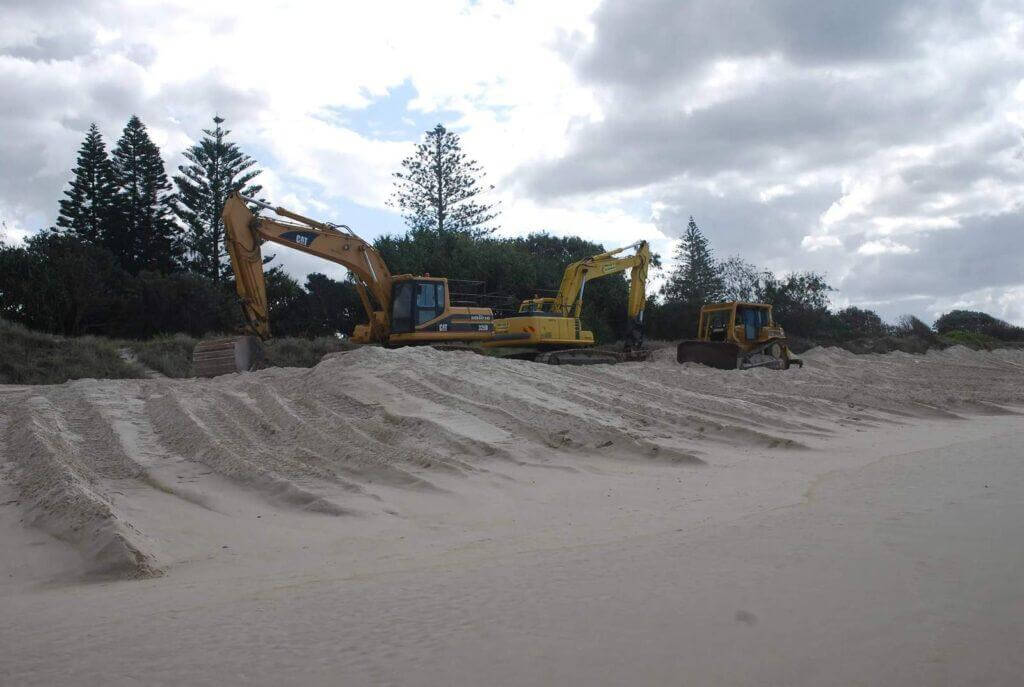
(339, 438)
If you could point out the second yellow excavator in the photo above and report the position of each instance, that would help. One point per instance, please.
(401, 309)
(550, 328)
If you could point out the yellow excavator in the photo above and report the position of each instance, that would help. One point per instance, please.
(550, 329)
(738, 336)
(401, 309)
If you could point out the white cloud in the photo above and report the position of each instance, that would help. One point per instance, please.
(882, 246)
(795, 144)
(817, 242)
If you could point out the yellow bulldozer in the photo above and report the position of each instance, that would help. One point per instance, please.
(549, 329)
(738, 336)
(401, 309)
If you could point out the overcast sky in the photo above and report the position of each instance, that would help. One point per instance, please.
(879, 141)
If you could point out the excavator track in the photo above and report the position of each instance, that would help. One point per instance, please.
(590, 356)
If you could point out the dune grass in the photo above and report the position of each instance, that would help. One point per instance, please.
(172, 355)
(28, 357)
(169, 355)
(290, 351)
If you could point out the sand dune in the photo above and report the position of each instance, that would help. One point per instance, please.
(422, 517)
(328, 439)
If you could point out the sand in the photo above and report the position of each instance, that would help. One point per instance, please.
(424, 517)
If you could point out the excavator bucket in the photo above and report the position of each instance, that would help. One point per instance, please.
(720, 354)
(226, 356)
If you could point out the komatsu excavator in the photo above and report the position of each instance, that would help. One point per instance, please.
(401, 309)
(550, 329)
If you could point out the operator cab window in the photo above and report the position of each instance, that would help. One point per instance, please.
(752, 320)
(401, 309)
(718, 323)
(429, 301)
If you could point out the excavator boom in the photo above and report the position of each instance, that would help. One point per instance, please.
(400, 309)
(544, 325)
(245, 232)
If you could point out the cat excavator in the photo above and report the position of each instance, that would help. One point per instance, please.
(401, 309)
(549, 329)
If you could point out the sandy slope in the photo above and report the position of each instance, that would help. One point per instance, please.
(417, 517)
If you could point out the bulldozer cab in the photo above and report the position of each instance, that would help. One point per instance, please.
(737, 322)
(417, 301)
(715, 324)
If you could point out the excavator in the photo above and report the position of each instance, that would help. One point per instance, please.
(550, 329)
(401, 309)
(738, 336)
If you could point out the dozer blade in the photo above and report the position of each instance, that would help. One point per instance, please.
(226, 356)
(720, 354)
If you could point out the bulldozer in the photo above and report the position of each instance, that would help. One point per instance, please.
(548, 330)
(738, 336)
(401, 309)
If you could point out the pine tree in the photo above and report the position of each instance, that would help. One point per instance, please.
(86, 212)
(697, 279)
(144, 236)
(216, 168)
(439, 188)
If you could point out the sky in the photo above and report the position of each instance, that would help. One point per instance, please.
(878, 141)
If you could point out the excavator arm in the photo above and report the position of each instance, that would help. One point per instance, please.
(569, 300)
(245, 232)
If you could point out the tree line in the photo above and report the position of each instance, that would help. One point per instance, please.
(134, 253)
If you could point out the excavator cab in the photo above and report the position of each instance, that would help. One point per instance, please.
(416, 302)
(421, 311)
(536, 305)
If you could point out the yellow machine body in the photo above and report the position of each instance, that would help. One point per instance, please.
(400, 309)
(737, 335)
(551, 323)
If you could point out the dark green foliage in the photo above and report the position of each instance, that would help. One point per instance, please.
(439, 189)
(909, 325)
(59, 284)
(143, 235)
(799, 301)
(334, 306)
(87, 211)
(976, 322)
(288, 304)
(979, 342)
(854, 321)
(696, 280)
(516, 268)
(216, 168)
(29, 357)
(153, 303)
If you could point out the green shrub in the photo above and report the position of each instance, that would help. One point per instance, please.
(973, 340)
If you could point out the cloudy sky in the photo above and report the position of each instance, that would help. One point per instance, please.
(879, 141)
